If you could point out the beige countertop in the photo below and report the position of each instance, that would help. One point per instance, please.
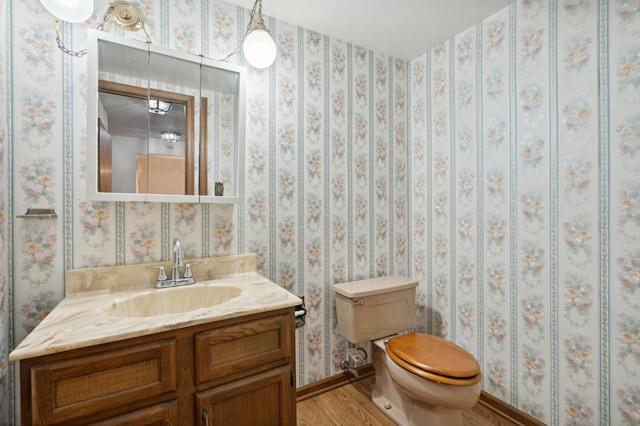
(85, 317)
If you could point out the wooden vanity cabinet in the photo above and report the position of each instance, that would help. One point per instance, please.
(238, 371)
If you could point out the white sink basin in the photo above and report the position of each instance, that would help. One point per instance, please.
(175, 300)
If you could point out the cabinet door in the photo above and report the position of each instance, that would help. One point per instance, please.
(262, 400)
(165, 414)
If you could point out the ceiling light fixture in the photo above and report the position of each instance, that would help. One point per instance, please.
(257, 45)
(158, 106)
(123, 14)
(170, 138)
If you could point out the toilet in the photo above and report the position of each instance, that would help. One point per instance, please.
(420, 379)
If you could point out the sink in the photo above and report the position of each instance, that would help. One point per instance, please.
(175, 300)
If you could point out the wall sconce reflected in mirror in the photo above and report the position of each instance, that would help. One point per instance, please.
(123, 14)
(170, 138)
(160, 107)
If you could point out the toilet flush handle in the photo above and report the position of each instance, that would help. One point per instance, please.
(358, 301)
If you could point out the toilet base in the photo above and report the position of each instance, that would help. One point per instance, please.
(436, 416)
(403, 411)
(390, 410)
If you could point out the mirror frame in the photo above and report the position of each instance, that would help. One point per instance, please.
(199, 119)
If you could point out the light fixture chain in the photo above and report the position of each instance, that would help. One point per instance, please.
(105, 18)
(61, 46)
(252, 14)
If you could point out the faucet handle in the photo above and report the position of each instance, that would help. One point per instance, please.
(187, 269)
(162, 275)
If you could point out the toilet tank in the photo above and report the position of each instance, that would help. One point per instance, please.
(374, 308)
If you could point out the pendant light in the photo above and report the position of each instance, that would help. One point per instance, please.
(258, 47)
(73, 11)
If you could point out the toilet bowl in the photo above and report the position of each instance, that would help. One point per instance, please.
(419, 392)
(420, 379)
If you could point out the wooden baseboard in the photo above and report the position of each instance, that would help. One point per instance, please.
(488, 401)
(324, 385)
(507, 411)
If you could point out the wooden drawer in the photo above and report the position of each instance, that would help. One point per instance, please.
(165, 414)
(231, 351)
(91, 384)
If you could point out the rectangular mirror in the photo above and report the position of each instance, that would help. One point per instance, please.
(163, 125)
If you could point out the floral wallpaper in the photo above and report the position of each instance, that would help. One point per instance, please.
(498, 169)
(524, 134)
(6, 332)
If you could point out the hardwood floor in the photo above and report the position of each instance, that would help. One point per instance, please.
(346, 405)
(351, 405)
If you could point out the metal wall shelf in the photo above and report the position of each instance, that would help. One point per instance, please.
(38, 214)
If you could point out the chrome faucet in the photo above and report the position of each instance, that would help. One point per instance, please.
(177, 260)
(175, 281)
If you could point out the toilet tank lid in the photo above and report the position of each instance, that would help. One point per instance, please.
(377, 285)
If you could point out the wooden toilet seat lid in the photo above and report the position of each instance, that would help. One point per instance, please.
(434, 358)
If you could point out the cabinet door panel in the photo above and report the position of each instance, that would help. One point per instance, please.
(239, 348)
(261, 400)
(103, 382)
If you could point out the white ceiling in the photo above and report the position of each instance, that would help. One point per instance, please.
(402, 29)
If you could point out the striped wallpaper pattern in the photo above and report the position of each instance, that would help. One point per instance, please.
(499, 169)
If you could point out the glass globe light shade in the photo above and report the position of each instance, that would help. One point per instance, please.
(73, 11)
(259, 49)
